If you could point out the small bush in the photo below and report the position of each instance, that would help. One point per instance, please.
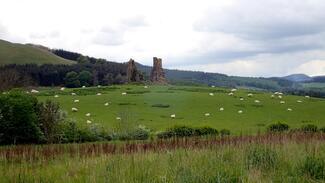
(261, 157)
(224, 132)
(185, 131)
(165, 134)
(139, 133)
(161, 105)
(322, 129)
(310, 128)
(201, 131)
(313, 167)
(278, 127)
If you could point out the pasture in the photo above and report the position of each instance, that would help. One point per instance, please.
(153, 107)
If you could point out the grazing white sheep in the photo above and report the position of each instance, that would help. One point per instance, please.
(289, 109)
(231, 94)
(282, 102)
(249, 95)
(4, 93)
(280, 93)
(241, 98)
(76, 101)
(73, 109)
(88, 114)
(62, 89)
(34, 91)
(299, 101)
(98, 86)
(213, 86)
(307, 96)
(257, 101)
(145, 87)
(280, 96)
(173, 116)
(26, 92)
(221, 109)
(99, 94)
(106, 104)
(73, 94)
(276, 93)
(233, 90)
(89, 122)
(83, 86)
(118, 118)
(124, 93)
(56, 96)
(272, 96)
(207, 114)
(240, 111)
(211, 94)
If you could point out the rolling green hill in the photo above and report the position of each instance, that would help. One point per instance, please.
(13, 53)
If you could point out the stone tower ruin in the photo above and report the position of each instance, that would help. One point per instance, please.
(132, 72)
(157, 72)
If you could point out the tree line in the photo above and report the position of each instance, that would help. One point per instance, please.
(87, 71)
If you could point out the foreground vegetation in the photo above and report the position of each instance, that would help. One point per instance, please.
(289, 157)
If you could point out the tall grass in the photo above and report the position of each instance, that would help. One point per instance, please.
(292, 157)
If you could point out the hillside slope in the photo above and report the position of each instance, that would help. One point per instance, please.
(298, 78)
(12, 53)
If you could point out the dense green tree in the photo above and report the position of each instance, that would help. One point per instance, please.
(85, 78)
(18, 119)
(71, 80)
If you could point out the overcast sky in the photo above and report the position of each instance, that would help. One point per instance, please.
(235, 37)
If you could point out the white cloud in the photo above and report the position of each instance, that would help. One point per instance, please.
(312, 68)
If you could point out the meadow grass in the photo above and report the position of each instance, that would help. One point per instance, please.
(263, 158)
(153, 107)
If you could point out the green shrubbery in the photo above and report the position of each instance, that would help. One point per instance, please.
(19, 119)
(309, 128)
(185, 131)
(278, 127)
(313, 167)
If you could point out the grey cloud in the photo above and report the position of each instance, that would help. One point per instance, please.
(269, 27)
(109, 37)
(274, 19)
(114, 36)
(46, 35)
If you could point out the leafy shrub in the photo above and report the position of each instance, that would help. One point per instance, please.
(310, 128)
(18, 119)
(313, 167)
(165, 134)
(73, 133)
(261, 157)
(224, 132)
(138, 133)
(278, 127)
(322, 129)
(50, 117)
(161, 105)
(206, 131)
(185, 131)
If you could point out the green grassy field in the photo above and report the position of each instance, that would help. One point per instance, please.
(189, 104)
(297, 158)
(11, 53)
